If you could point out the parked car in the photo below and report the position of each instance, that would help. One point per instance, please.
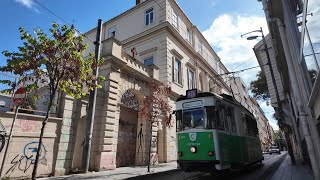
(274, 149)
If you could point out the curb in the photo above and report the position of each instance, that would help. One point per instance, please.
(154, 174)
(269, 172)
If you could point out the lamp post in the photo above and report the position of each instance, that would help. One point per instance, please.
(280, 109)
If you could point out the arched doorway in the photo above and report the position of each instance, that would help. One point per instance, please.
(127, 134)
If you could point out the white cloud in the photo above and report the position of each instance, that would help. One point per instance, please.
(225, 32)
(27, 3)
(269, 111)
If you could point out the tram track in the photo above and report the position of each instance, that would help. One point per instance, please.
(257, 172)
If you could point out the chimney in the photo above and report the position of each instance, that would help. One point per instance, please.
(138, 2)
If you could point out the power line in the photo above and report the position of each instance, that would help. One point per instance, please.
(240, 71)
(243, 63)
(51, 12)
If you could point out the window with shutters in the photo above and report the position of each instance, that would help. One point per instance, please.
(177, 70)
(190, 79)
(149, 16)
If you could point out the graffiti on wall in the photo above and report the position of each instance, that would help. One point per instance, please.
(140, 139)
(2, 141)
(153, 158)
(23, 162)
(2, 136)
(25, 125)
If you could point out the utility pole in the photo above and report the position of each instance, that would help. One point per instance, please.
(280, 110)
(92, 104)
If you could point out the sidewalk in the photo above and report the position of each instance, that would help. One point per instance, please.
(121, 173)
(288, 172)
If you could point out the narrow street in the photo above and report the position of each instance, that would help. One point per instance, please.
(260, 171)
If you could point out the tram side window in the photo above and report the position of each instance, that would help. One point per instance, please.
(225, 118)
(253, 127)
(179, 120)
(245, 124)
(211, 116)
(220, 119)
(231, 119)
(250, 126)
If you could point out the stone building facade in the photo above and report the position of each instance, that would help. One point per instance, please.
(153, 41)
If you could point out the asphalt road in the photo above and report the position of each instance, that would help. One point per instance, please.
(260, 171)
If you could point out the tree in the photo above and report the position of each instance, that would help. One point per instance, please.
(279, 139)
(259, 87)
(155, 105)
(53, 62)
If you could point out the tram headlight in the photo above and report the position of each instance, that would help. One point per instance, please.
(180, 153)
(193, 149)
(210, 153)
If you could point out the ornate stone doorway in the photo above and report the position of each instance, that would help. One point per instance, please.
(127, 134)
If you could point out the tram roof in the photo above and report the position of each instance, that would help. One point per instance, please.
(210, 94)
(224, 97)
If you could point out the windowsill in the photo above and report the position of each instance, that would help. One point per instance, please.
(149, 25)
(153, 66)
(178, 84)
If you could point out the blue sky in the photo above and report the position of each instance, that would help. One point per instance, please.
(221, 21)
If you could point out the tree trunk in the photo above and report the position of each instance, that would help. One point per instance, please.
(35, 167)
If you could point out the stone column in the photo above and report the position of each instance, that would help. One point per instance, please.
(106, 121)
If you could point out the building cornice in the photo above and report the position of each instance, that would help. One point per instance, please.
(171, 31)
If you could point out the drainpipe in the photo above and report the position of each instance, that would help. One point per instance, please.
(293, 118)
(296, 90)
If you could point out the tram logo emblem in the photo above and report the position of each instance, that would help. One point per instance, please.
(192, 136)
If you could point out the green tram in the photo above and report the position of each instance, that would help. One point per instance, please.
(215, 133)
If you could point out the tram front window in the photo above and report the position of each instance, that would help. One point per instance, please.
(193, 118)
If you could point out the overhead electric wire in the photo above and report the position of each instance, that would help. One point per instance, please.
(243, 63)
(51, 12)
(239, 71)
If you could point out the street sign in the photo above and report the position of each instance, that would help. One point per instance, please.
(19, 96)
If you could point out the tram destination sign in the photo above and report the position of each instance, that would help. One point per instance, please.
(192, 104)
(192, 93)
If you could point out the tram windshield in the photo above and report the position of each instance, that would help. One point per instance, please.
(198, 118)
(193, 118)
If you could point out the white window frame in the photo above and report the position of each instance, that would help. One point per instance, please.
(189, 35)
(149, 16)
(200, 48)
(191, 79)
(175, 20)
(177, 73)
